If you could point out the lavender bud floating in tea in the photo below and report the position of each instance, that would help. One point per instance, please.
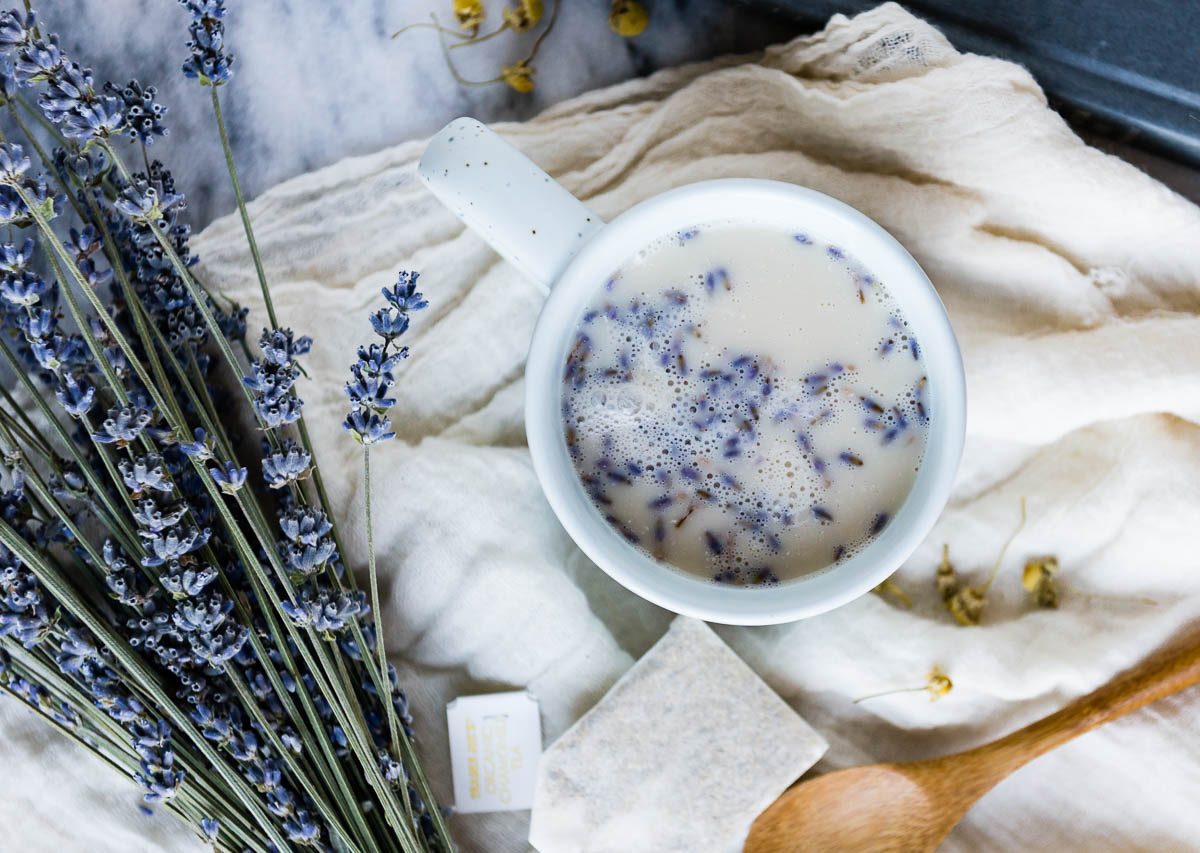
(745, 404)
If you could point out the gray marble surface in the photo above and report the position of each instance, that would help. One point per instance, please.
(317, 81)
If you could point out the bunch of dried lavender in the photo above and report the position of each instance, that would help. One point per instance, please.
(165, 602)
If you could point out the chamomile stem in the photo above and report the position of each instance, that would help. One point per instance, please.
(466, 37)
(462, 81)
(891, 692)
(1004, 550)
(1074, 590)
(502, 28)
(542, 36)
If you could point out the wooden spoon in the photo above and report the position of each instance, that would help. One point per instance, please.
(909, 807)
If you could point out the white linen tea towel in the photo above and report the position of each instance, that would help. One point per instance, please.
(1073, 282)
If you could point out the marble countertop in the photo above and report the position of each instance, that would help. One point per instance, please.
(318, 81)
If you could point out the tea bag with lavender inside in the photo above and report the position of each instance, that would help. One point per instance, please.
(682, 754)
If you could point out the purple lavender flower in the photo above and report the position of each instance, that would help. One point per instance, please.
(217, 648)
(209, 63)
(74, 651)
(123, 425)
(88, 166)
(325, 611)
(182, 582)
(143, 114)
(368, 427)
(23, 289)
(281, 802)
(76, 395)
(201, 615)
(123, 582)
(143, 203)
(229, 477)
(16, 29)
(389, 323)
(304, 525)
(371, 377)
(306, 559)
(38, 60)
(200, 448)
(279, 346)
(368, 389)
(286, 465)
(145, 473)
(210, 829)
(403, 295)
(172, 545)
(158, 776)
(99, 119)
(273, 374)
(13, 162)
(14, 260)
(302, 829)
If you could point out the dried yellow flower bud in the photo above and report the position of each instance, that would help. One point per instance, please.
(468, 14)
(1038, 578)
(947, 578)
(523, 17)
(938, 684)
(967, 605)
(628, 18)
(519, 76)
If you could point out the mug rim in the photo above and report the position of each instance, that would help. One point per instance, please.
(775, 204)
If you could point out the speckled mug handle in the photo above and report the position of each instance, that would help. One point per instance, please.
(503, 196)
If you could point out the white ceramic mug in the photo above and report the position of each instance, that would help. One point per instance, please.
(556, 240)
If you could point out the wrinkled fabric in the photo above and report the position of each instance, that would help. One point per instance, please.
(1073, 282)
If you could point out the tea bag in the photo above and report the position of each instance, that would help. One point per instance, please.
(682, 754)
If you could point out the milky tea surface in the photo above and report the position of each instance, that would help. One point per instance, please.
(745, 404)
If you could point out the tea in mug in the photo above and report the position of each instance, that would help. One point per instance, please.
(744, 403)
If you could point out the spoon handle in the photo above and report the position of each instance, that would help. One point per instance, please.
(1157, 676)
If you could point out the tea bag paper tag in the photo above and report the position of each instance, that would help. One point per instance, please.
(495, 743)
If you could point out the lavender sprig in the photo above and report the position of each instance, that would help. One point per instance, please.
(371, 379)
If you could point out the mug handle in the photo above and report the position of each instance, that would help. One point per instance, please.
(499, 193)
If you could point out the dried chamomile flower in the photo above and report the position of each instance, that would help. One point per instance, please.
(966, 605)
(519, 76)
(947, 578)
(1038, 578)
(468, 14)
(518, 18)
(937, 684)
(524, 16)
(890, 587)
(628, 18)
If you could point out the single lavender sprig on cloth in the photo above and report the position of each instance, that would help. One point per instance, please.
(371, 380)
(176, 607)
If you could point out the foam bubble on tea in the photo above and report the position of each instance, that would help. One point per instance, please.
(745, 404)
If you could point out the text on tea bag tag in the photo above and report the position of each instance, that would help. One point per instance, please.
(495, 743)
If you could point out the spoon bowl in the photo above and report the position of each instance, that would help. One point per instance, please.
(838, 811)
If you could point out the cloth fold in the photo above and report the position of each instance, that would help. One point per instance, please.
(1073, 283)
